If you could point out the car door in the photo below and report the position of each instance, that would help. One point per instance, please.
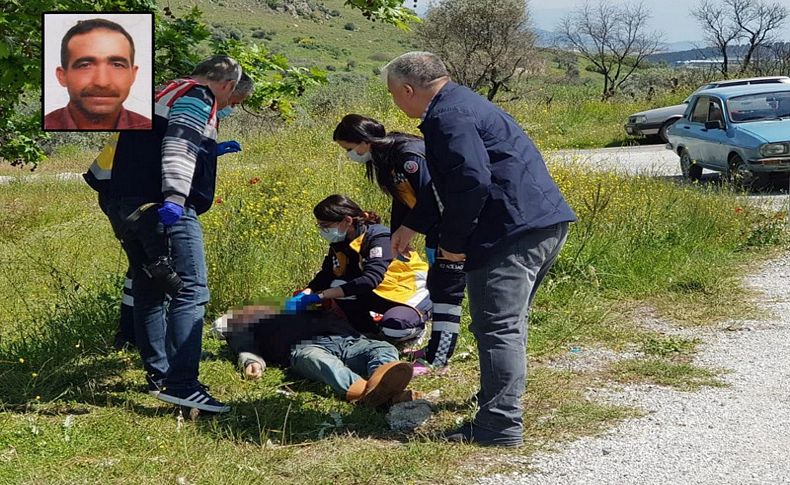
(691, 129)
(717, 142)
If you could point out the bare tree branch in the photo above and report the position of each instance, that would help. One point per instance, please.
(758, 20)
(613, 38)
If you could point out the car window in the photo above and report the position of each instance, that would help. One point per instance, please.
(766, 81)
(714, 110)
(700, 112)
(757, 107)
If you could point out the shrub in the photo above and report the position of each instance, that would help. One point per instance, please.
(350, 26)
(264, 34)
(380, 57)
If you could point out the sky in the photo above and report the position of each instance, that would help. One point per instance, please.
(668, 16)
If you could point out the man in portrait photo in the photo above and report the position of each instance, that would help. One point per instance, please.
(97, 68)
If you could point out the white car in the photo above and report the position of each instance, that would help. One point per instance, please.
(654, 122)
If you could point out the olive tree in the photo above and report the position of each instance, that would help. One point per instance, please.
(484, 43)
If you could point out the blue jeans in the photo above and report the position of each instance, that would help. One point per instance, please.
(340, 361)
(500, 294)
(169, 331)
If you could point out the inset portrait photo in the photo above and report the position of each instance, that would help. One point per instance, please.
(97, 71)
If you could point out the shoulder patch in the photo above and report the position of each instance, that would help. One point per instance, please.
(376, 252)
(410, 166)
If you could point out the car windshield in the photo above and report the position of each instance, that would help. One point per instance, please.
(759, 107)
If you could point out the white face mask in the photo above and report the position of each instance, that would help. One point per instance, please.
(356, 157)
(224, 112)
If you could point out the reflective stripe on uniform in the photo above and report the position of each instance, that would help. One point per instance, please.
(101, 168)
(446, 309)
(450, 327)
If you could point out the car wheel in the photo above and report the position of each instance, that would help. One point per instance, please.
(689, 168)
(738, 173)
(662, 133)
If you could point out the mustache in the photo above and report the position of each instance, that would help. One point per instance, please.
(99, 93)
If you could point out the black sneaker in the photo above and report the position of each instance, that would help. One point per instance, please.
(154, 385)
(196, 397)
(470, 434)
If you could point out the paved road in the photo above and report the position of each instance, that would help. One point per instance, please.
(649, 160)
(7, 179)
(635, 160)
(655, 160)
(735, 435)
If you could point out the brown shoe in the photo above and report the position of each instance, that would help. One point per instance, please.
(385, 382)
(356, 391)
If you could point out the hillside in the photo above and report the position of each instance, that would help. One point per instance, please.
(309, 32)
(734, 52)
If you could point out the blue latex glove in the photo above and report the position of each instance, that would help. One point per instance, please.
(170, 213)
(430, 253)
(301, 302)
(225, 147)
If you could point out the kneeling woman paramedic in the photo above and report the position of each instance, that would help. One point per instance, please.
(360, 275)
(396, 162)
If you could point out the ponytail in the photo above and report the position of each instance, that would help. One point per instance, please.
(336, 207)
(370, 217)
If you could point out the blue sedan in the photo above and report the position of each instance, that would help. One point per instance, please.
(742, 132)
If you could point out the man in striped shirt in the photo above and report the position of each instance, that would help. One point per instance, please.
(124, 337)
(173, 167)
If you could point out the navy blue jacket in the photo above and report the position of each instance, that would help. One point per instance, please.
(413, 199)
(492, 182)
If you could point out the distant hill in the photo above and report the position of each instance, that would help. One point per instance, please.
(685, 55)
(681, 46)
(734, 53)
(547, 38)
(311, 33)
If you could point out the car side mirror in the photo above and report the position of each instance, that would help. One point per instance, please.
(714, 125)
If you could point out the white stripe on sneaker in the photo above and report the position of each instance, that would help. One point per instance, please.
(198, 399)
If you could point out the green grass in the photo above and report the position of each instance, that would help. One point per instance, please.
(638, 242)
(680, 375)
(307, 42)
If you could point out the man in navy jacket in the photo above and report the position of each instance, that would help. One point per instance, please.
(502, 214)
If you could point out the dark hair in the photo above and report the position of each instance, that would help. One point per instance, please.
(85, 26)
(385, 148)
(336, 207)
(355, 128)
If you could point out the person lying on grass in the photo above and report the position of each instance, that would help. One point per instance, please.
(318, 345)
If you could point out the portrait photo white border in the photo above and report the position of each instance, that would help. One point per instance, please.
(139, 26)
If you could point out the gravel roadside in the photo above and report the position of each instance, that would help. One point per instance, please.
(734, 435)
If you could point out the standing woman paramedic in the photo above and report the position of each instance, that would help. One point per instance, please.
(396, 162)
